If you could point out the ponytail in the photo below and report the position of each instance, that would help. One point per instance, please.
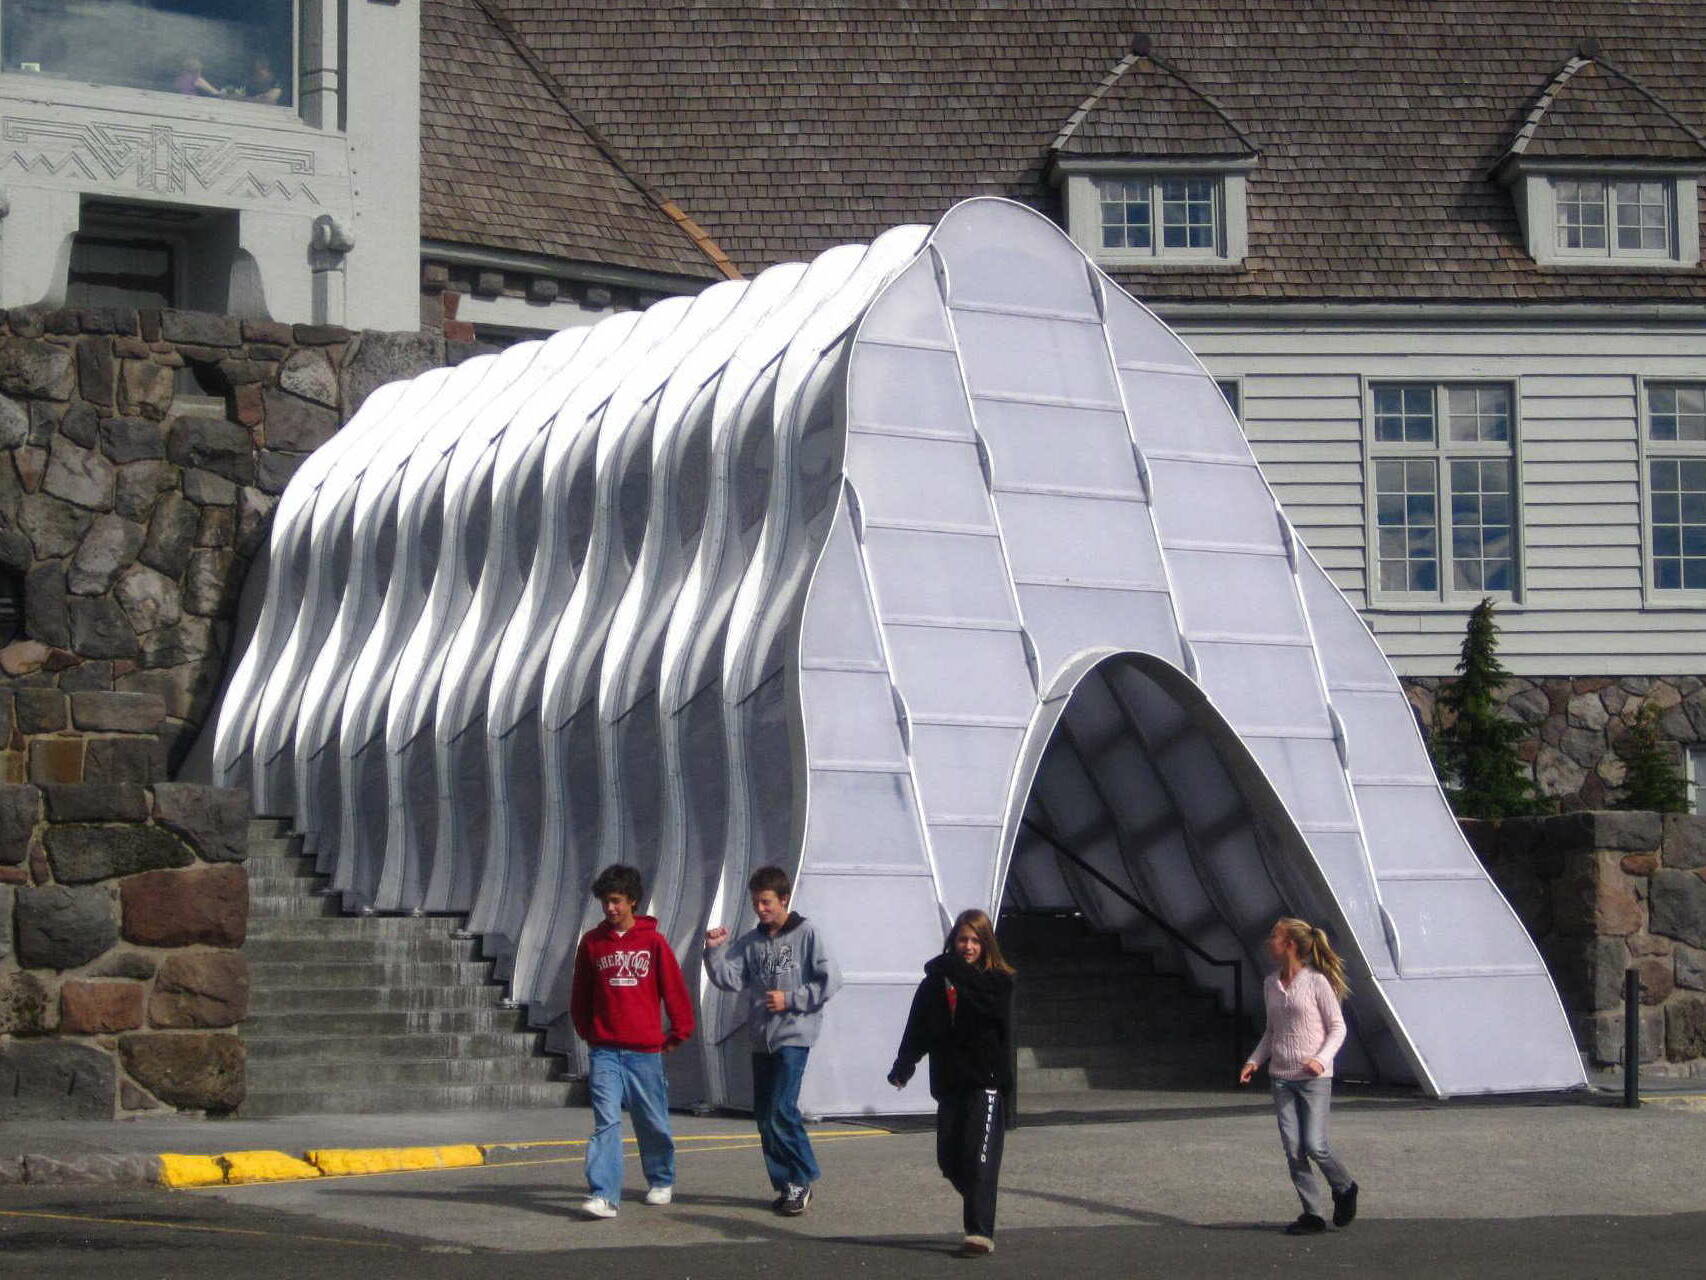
(1316, 952)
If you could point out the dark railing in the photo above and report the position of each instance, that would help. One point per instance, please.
(1235, 965)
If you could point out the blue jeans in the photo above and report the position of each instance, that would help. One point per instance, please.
(776, 1107)
(618, 1077)
(1301, 1106)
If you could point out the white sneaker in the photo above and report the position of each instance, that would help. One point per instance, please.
(660, 1195)
(598, 1207)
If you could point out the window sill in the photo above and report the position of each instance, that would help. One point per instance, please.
(1136, 262)
(1443, 606)
(1615, 264)
(145, 102)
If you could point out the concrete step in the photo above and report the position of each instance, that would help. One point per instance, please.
(273, 906)
(271, 1024)
(1130, 1076)
(1128, 1053)
(361, 950)
(273, 1074)
(1092, 1034)
(269, 886)
(268, 828)
(390, 928)
(403, 1047)
(371, 999)
(283, 847)
(268, 975)
(407, 1098)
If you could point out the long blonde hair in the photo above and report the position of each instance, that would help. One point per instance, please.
(990, 958)
(1316, 952)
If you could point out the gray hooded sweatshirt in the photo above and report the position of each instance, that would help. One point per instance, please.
(795, 961)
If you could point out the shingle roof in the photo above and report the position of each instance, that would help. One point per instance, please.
(504, 166)
(1594, 110)
(1146, 108)
(786, 128)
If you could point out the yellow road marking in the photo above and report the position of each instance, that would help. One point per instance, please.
(743, 1144)
(186, 1226)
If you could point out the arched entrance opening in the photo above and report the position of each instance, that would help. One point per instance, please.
(1151, 859)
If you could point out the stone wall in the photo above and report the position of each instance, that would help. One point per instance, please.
(141, 457)
(122, 911)
(1576, 724)
(1605, 892)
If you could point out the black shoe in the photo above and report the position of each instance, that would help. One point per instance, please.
(1345, 1206)
(1307, 1224)
(779, 1201)
(794, 1201)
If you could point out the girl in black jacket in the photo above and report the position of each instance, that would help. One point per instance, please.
(962, 1016)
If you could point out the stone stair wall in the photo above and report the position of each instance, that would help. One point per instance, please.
(1091, 1015)
(122, 913)
(1605, 892)
(141, 457)
(366, 1014)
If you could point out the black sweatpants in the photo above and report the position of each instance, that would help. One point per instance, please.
(970, 1128)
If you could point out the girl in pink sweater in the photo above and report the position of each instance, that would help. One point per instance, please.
(1304, 1032)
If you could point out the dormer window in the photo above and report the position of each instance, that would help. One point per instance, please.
(1605, 217)
(1164, 215)
(1152, 170)
(1156, 214)
(1605, 174)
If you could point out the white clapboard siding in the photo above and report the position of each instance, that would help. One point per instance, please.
(1583, 609)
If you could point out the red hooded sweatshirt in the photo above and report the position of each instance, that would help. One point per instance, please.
(620, 979)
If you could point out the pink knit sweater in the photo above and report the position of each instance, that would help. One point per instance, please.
(1303, 1022)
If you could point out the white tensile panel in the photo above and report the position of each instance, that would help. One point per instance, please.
(901, 569)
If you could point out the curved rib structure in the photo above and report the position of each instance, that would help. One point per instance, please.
(894, 568)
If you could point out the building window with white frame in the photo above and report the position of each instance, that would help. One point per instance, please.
(1604, 217)
(1168, 215)
(1696, 778)
(1676, 485)
(1151, 215)
(1443, 490)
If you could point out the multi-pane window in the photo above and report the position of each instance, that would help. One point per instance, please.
(1598, 217)
(1160, 215)
(1443, 489)
(1676, 485)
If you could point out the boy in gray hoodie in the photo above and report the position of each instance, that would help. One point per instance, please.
(788, 976)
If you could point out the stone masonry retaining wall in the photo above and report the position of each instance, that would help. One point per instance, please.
(141, 457)
(1605, 892)
(1576, 723)
(122, 911)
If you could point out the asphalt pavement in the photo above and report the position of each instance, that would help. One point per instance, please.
(1175, 1185)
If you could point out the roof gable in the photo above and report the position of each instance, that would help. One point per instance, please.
(1146, 107)
(1591, 109)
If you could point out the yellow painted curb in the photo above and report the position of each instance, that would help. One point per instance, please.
(265, 1166)
(342, 1161)
(190, 1171)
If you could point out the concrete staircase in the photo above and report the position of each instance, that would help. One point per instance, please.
(1093, 1016)
(374, 1014)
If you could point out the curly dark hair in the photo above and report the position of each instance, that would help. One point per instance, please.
(619, 877)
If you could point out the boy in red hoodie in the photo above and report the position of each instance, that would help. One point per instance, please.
(624, 969)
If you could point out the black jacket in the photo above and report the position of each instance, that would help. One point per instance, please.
(972, 1048)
